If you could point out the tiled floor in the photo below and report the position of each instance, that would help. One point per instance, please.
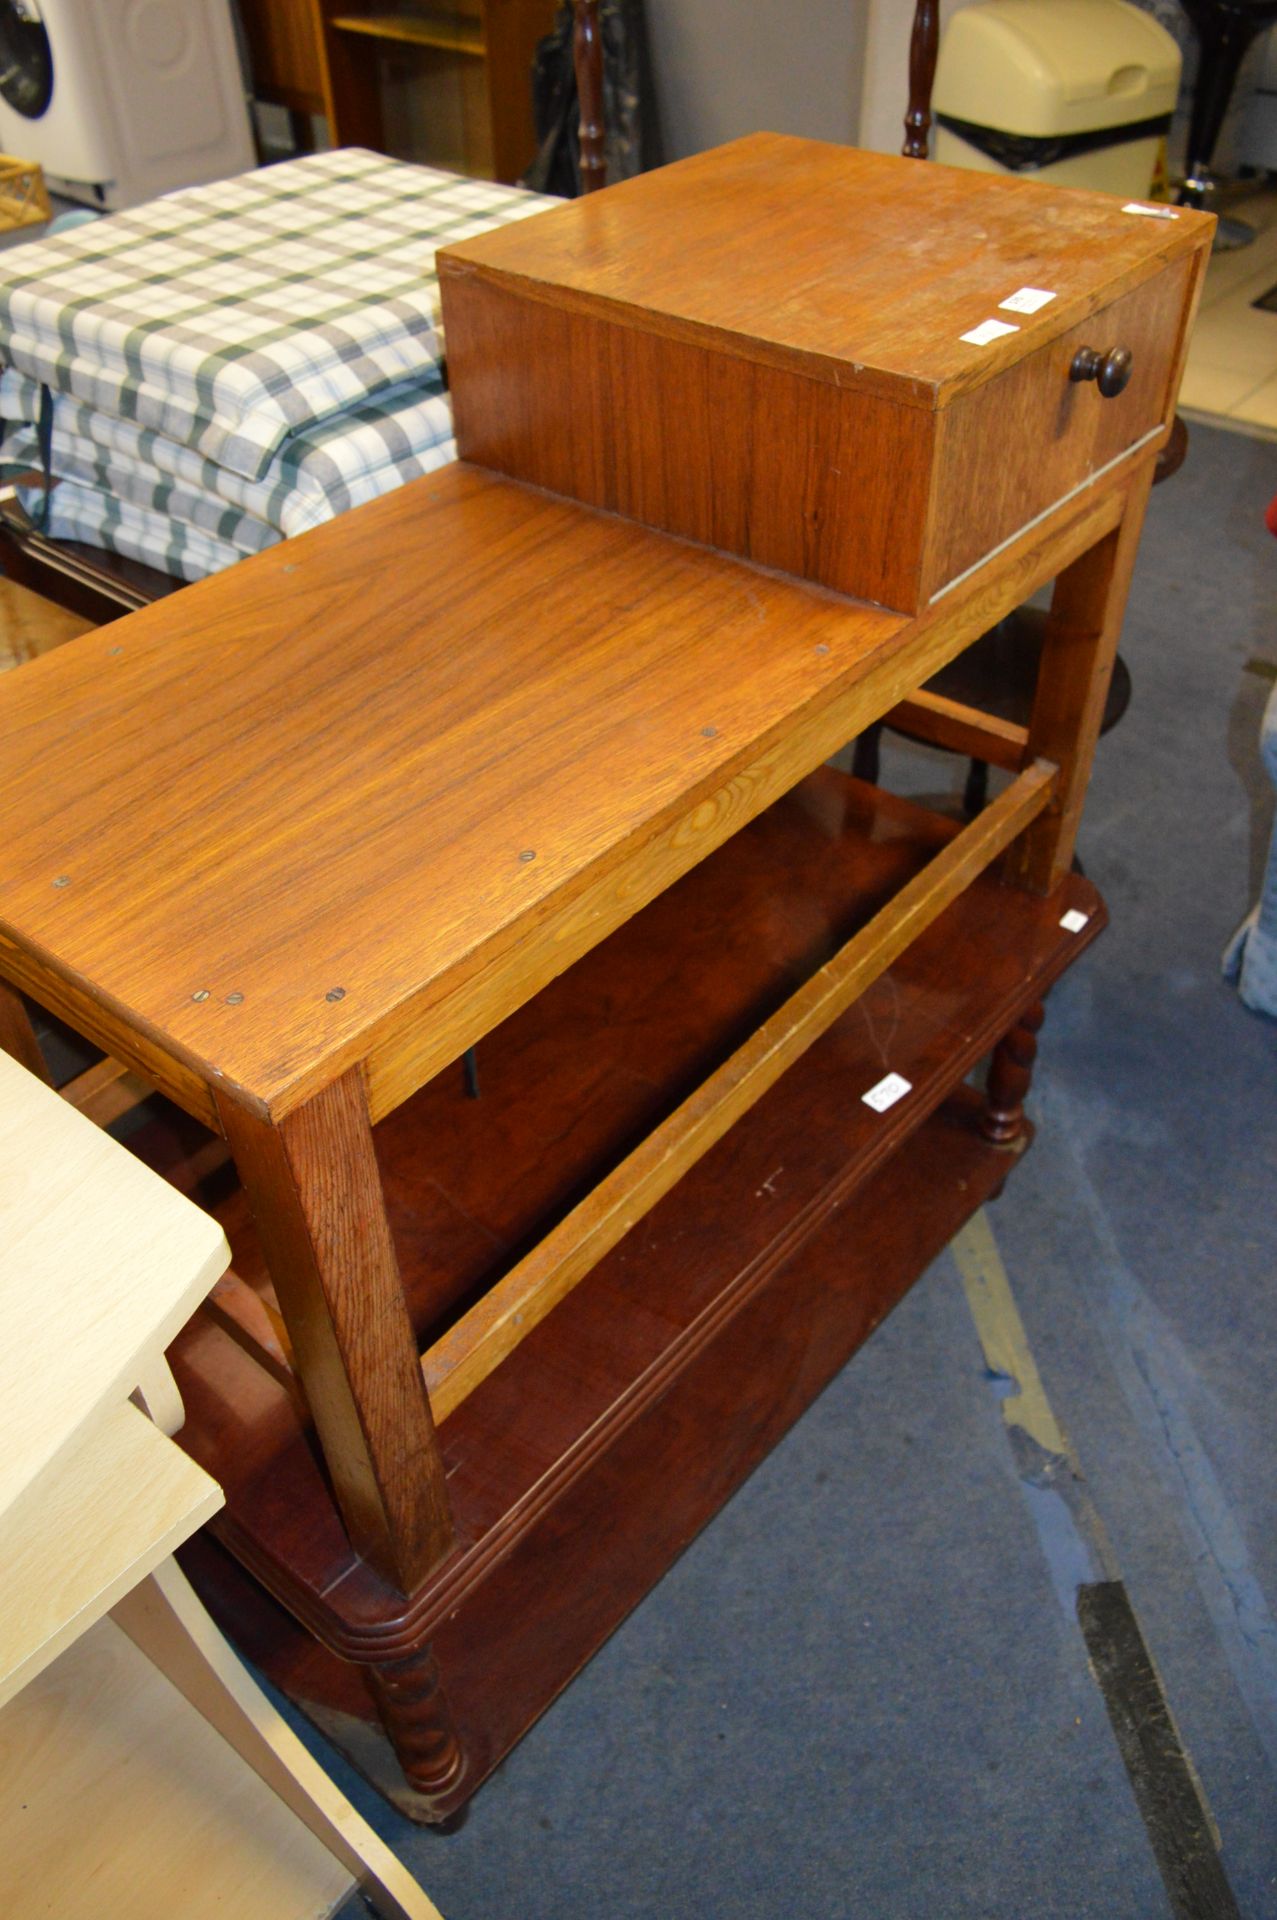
(1231, 377)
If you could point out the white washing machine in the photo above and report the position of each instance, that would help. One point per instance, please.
(119, 100)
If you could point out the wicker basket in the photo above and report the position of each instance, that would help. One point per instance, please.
(24, 199)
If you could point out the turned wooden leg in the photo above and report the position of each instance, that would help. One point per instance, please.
(1010, 1077)
(316, 1195)
(414, 1711)
(1079, 647)
(18, 1036)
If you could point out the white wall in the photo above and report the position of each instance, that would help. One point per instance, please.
(722, 68)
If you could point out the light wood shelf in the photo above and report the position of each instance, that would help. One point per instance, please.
(450, 86)
(447, 32)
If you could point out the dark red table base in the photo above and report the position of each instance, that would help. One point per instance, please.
(518, 1637)
(591, 1458)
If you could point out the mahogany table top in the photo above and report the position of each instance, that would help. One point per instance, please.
(267, 827)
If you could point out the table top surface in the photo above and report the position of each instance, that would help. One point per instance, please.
(262, 821)
(858, 268)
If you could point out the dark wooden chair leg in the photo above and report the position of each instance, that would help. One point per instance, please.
(924, 48)
(587, 55)
(975, 793)
(866, 755)
(1010, 1077)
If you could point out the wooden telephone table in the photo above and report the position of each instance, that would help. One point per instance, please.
(530, 754)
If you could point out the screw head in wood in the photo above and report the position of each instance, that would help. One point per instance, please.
(234, 999)
(529, 853)
(335, 993)
(201, 995)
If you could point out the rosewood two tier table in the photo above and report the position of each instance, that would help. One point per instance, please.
(486, 765)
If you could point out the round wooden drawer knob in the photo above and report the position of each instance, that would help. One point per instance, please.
(1110, 371)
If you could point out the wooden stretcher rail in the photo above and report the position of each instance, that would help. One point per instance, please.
(105, 1090)
(258, 1328)
(961, 729)
(456, 1364)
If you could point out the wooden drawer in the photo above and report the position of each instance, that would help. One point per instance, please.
(803, 393)
(1019, 445)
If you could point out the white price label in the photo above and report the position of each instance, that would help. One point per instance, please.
(988, 330)
(887, 1092)
(1026, 300)
(1073, 921)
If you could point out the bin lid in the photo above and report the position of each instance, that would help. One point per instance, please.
(1055, 66)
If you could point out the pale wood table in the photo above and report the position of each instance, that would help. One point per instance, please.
(118, 1799)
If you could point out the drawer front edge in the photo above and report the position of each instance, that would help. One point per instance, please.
(1013, 450)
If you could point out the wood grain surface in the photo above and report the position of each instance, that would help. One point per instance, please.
(827, 484)
(1019, 445)
(958, 728)
(344, 827)
(332, 857)
(30, 625)
(696, 971)
(762, 349)
(859, 269)
(284, 52)
(104, 1091)
(316, 1196)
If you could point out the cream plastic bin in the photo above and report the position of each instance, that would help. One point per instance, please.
(1077, 92)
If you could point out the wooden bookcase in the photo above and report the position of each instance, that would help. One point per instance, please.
(450, 85)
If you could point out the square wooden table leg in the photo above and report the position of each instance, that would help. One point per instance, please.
(1078, 650)
(315, 1190)
(316, 1194)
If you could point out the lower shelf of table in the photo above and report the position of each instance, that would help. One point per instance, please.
(585, 1464)
(516, 1616)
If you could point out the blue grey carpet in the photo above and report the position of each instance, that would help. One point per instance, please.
(864, 1692)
